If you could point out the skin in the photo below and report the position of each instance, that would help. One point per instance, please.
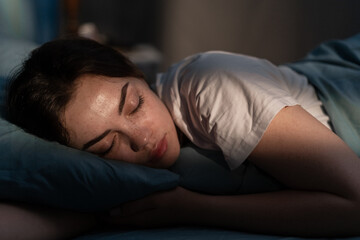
(142, 132)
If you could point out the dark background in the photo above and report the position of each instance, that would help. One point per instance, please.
(279, 30)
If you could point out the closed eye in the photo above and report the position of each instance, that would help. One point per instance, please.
(138, 107)
(104, 153)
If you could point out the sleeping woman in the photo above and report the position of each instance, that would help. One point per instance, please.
(90, 97)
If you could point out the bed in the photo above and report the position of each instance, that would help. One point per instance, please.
(46, 173)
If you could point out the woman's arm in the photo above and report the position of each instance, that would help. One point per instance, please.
(21, 221)
(321, 170)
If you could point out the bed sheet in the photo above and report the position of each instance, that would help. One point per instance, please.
(188, 233)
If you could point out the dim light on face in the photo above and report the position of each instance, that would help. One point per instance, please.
(121, 119)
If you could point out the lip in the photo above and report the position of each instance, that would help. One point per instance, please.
(159, 150)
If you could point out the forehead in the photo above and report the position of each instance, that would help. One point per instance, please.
(93, 92)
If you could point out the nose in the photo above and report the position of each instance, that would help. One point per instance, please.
(139, 137)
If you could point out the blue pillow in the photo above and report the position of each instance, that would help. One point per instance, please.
(36, 171)
(2, 96)
(206, 171)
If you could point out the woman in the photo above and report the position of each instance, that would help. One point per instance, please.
(90, 97)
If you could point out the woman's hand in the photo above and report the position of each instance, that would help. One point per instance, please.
(166, 208)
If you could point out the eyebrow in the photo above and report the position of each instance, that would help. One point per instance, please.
(123, 97)
(95, 140)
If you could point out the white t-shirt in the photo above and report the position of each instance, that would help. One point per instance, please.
(226, 101)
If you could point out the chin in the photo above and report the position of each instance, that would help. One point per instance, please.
(170, 162)
(174, 157)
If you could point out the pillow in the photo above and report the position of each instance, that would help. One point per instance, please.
(206, 171)
(37, 171)
(2, 96)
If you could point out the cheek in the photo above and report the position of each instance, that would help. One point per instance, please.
(158, 121)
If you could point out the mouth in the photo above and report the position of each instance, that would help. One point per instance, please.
(159, 150)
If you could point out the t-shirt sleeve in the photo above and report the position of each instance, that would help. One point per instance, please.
(225, 101)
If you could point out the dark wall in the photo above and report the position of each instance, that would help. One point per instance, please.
(279, 30)
(124, 22)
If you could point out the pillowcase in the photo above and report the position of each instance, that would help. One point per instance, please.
(37, 171)
(206, 171)
(2, 96)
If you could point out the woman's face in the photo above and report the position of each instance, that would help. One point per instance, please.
(121, 119)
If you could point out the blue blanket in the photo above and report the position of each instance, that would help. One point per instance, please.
(334, 69)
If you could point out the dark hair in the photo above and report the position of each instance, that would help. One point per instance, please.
(41, 89)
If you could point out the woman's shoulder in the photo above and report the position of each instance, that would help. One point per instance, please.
(214, 60)
(198, 72)
(218, 67)
(213, 65)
